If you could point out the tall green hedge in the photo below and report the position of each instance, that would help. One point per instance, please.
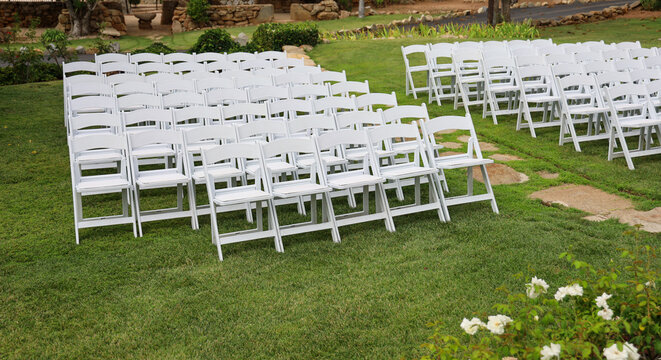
(273, 36)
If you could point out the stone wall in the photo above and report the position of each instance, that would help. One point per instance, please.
(108, 12)
(47, 12)
(224, 16)
(325, 10)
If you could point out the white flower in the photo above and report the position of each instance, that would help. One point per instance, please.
(472, 326)
(496, 324)
(628, 352)
(536, 318)
(549, 352)
(606, 313)
(572, 290)
(535, 286)
(601, 300)
(650, 283)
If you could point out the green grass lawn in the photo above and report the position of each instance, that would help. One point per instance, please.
(166, 295)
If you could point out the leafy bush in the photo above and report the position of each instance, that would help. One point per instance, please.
(22, 73)
(214, 40)
(156, 48)
(345, 4)
(197, 10)
(273, 36)
(651, 4)
(55, 42)
(613, 313)
(24, 64)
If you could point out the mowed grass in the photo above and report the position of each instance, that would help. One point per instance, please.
(166, 295)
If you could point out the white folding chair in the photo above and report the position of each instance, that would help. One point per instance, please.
(174, 174)
(156, 77)
(227, 199)
(630, 107)
(212, 83)
(174, 86)
(289, 109)
(242, 113)
(411, 69)
(134, 102)
(121, 78)
(306, 126)
(251, 81)
(473, 157)
(537, 88)
(222, 66)
(439, 62)
(627, 45)
(288, 63)
(117, 67)
(469, 72)
(238, 57)
(652, 62)
(341, 179)
(312, 186)
(291, 79)
(415, 168)
(597, 67)
(96, 184)
(209, 57)
(334, 104)
(628, 65)
(179, 100)
(255, 64)
(133, 87)
(500, 88)
(272, 55)
(195, 116)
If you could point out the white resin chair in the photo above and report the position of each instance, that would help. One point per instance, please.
(213, 83)
(154, 67)
(500, 87)
(180, 100)
(242, 113)
(264, 94)
(442, 76)
(537, 89)
(291, 79)
(209, 57)
(96, 184)
(469, 72)
(411, 69)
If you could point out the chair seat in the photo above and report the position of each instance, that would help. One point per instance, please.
(638, 123)
(418, 68)
(403, 171)
(405, 147)
(218, 172)
(199, 147)
(161, 177)
(586, 109)
(541, 98)
(346, 180)
(101, 183)
(297, 188)
(620, 106)
(99, 156)
(154, 150)
(358, 154)
(276, 167)
(240, 195)
(459, 161)
(330, 160)
(503, 87)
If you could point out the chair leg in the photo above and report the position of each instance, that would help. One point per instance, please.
(136, 192)
(244, 181)
(192, 204)
(434, 188)
(487, 183)
(380, 195)
(214, 224)
(331, 217)
(77, 214)
(469, 181)
(129, 192)
(273, 224)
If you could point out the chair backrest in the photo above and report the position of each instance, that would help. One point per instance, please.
(90, 123)
(641, 53)
(111, 57)
(562, 70)
(120, 78)
(288, 63)
(358, 120)
(147, 119)
(271, 55)
(253, 81)
(196, 116)
(524, 51)
(90, 89)
(396, 114)
(244, 113)
(644, 76)
(556, 59)
(368, 101)
(178, 57)
(240, 57)
(154, 67)
(222, 65)
(175, 86)
(219, 97)
(269, 72)
(516, 44)
(308, 125)
(578, 84)
(255, 64)
(118, 67)
(529, 60)
(628, 101)
(80, 66)
(267, 94)
(290, 79)
(183, 99)
(443, 123)
(139, 101)
(613, 55)
(294, 147)
(597, 67)
(653, 62)
(334, 104)
(235, 153)
(531, 78)
(197, 75)
(347, 88)
(551, 50)
(309, 91)
(467, 62)
(208, 57)
(261, 131)
(384, 136)
(541, 43)
(83, 144)
(626, 45)
(145, 58)
(134, 87)
(611, 78)
(304, 69)
(325, 77)
(289, 108)
(218, 134)
(212, 83)
(339, 140)
(92, 104)
(628, 65)
(156, 77)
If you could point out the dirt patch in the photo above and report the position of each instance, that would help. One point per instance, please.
(446, 131)
(450, 153)
(601, 205)
(451, 145)
(641, 14)
(548, 175)
(505, 157)
(484, 146)
(500, 174)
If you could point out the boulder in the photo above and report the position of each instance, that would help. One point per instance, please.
(318, 8)
(265, 14)
(177, 27)
(328, 15)
(299, 13)
(291, 49)
(110, 31)
(242, 39)
(482, 10)
(344, 14)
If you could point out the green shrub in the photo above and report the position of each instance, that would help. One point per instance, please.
(22, 73)
(273, 36)
(651, 4)
(345, 4)
(214, 40)
(55, 42)
(155, 48)
(197, 10)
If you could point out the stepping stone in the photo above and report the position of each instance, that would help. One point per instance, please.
(548, 175)
(584, 197)
(291, 49)
(505, 157)
(484, 146)
(500, 174)
(650, 220)
(451, 145)
(297, 56)
(450, 153)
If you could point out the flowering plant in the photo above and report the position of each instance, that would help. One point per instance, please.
(611, 313)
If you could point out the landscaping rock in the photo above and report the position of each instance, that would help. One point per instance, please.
(482, 10)
(306, 48)
(266, 13)
(500, 174)
(242, 39)
(112, 32)
(583, 197)
(80, 50)
(177, 27)
(291, 49)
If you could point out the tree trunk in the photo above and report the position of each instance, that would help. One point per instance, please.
(361, 9)
(505, 11)
(80, 17)
(490, 12)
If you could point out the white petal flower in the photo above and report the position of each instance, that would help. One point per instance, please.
(572, 290)
(650, 283)
(536, 287)
(561, 293)
(536, 318)
(472, 326)
(601, 300)
(606, 313)
(496, 324)
(628, 352)
(550, 352)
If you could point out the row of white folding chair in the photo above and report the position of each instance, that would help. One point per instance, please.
(185, 57)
